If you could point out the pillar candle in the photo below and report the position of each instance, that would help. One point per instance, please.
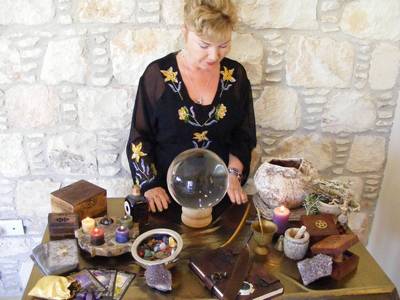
(97, 236)
(88, 224)
(126, 221)
(281, 218)
(122, 234)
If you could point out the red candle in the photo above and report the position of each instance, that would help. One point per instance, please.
(97, 236)
(281, 218)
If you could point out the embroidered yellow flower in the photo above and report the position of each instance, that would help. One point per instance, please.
(169, 75)
(137, 152)
(183, 113)
(200, 136)
(220, 112)
(227, 75)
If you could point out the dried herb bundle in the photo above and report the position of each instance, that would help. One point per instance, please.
(330, 192)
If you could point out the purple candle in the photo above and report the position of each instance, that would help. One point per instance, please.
(122, 234)
(281, 218)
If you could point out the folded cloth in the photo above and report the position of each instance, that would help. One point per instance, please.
(53, 287)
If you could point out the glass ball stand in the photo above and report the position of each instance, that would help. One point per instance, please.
(197, 179)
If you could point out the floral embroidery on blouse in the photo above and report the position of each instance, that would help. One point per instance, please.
(220, 112)
(227, 75)
(137, 152)
(189, 115)
(183, 113)
(201, 137)
(227, 79)
(170, 77)
(144, 172)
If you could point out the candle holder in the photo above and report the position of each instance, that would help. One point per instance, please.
(110, 246)
(106, 221)
(263, 238)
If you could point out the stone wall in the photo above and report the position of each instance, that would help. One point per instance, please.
(324, 73)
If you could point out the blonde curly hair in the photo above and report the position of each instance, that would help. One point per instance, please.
(212, 19)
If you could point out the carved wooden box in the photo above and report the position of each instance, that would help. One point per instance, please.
(81, 197)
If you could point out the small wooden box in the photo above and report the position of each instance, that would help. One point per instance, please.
(62, 225)
(344, 261)
(81, 197)
(319, 226)
(335, 245)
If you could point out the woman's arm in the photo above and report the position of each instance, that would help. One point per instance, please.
(242, 141)
(140, 149)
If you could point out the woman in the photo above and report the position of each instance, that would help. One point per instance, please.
(193, 98)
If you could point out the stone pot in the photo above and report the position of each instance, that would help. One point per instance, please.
(325, 208)
(284, 181)
(295, 248)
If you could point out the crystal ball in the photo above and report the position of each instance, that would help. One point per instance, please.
(197, 178)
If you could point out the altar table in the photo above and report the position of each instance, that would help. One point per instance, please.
(232, 228)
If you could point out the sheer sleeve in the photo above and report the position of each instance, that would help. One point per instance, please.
(141, 141)
(243, 137)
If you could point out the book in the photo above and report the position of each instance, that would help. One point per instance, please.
(260, 285)
(214, 267)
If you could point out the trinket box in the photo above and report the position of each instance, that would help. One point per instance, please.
(56, 257)
(344, 261)
(319, 226)
(82, 197)
(62, 225)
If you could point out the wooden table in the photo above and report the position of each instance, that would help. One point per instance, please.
(368, 282)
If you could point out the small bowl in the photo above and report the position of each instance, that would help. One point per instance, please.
(325, 208)
(144, 262)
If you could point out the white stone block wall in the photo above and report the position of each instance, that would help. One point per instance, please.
(324, 75)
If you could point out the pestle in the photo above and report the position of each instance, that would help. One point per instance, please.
(300, 232)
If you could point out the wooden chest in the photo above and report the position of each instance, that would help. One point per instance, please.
(62, 225)
(81, 197)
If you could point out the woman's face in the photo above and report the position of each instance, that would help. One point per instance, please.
(205, 54)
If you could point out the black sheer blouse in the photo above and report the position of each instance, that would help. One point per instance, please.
(166, 121)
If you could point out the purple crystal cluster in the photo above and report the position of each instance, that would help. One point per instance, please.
(158, 277)
(314, 268)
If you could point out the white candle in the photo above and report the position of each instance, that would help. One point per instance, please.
(88, 224)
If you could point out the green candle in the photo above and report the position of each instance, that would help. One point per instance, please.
(126, 221)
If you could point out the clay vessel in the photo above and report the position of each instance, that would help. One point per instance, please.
(284, 181)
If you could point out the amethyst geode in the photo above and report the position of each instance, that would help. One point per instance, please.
(314, 268)
(158, 277)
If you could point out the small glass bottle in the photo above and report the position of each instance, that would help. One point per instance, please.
(136, 206)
